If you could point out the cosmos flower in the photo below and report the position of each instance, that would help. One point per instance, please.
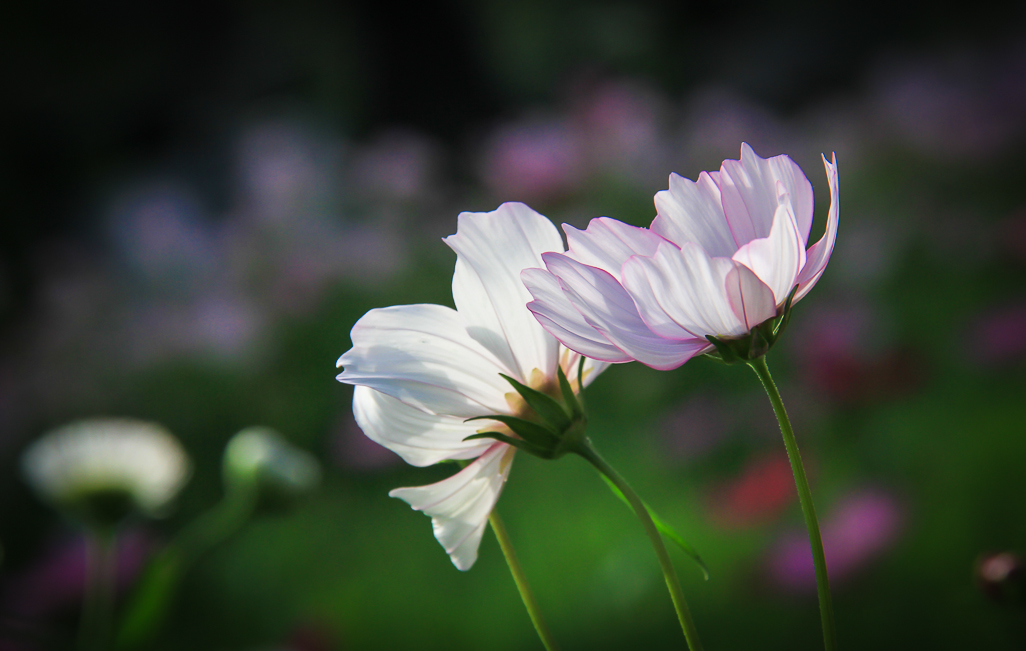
(422, 370)
(721, 257)
(108, 465)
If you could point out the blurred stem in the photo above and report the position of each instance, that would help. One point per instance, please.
(521, 580)
(152, 598)
(586, 450)
(217, 524)
(98, 598)
(826, 606)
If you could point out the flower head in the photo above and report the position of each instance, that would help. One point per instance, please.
(422, 370)
(101, 469)
(260, 458)
(723, 256)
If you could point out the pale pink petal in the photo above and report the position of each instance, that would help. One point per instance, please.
(608, 308)
(750, 299)
(749, 194)
(683, 291)
(778, 258)
(420, 438)
(606, 243)
(691, 211)
(492, 249)
(422, 355)
(460, 505)
(561, 319)
(819, 253)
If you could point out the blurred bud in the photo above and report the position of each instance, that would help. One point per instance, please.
(1002, 577)
(101, 470)
(261, 458)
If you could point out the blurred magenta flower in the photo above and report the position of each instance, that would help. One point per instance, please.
(421, 370)
(55, 581)
(1000, 335)
(721, 257)
(862, 527)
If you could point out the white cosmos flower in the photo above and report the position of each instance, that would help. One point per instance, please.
(721, 257)
(92, 457)
(421, 370)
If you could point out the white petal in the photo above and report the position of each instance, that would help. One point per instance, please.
(460, 505)
(422, 355)
(778, 258)
(561, 319)
(492, 249)
(749, 194)
(608, 308)
(420, 438)
(691, 211)
(750, 299)
(680, 291)
(607, 243)
(819, 253)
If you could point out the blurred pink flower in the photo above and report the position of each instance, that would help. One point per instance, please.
(953, 108)
(533, 160)
(856, 532)
(399, 165)
(760, 493)
(621, 129)
(999, 335)
(160, 232)
(721, 257)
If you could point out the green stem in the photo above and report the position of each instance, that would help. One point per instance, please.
(826, 606)
(152, 598)
(586, 450)
(98, 598)
(521, 580)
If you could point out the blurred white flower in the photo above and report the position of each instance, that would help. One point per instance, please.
(102, 458)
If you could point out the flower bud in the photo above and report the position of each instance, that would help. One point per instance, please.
(101, 470)
(259, 458)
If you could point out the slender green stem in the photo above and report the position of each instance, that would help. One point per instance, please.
(98, 598)
(586, 450)
(826, 606)
(521, 580)
(152, 598)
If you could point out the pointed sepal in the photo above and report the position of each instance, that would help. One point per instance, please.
(545, 406)
(532, 432)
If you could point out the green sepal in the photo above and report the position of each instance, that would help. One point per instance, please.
(576, 411)
(545, 406)
(663, 528)
(727, 354)
(520, 444)
(785, 314)
(525, 429)
(758, 342)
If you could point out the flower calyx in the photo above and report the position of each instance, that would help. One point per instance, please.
(548, 428)
(750, 347)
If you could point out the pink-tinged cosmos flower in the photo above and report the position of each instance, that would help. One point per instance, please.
(721, 257)
(422, 370)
